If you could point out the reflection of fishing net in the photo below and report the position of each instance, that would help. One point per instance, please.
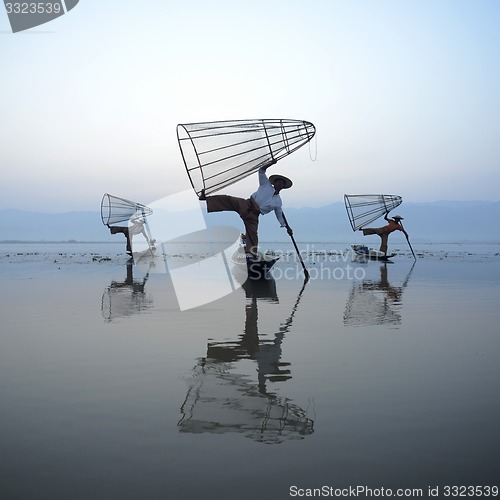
(115, 210)
(370, 304)
(121, 300)
(220, 401)
(365, 208)
(217, 154)
(124, 298)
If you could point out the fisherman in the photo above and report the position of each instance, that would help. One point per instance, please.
(385, 231)
(266, 198)
(137, 227)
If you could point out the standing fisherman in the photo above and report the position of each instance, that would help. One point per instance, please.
(266, 198)
(385, 231)
(136, 227)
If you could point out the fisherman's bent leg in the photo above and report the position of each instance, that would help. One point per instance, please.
(124, 230)
(246, 210)
(118, 229)
(225, 203)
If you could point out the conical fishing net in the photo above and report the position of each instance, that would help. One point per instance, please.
(218, 154)
(115, 210)
(365, 208)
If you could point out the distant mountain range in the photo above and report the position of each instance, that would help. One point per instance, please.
(443, 221)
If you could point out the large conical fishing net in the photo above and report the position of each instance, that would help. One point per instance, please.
(115, 210)
(218, 154)
(365, 208)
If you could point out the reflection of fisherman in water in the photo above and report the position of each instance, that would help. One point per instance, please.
(375, 302)
(220, 400)
(123, 298)
(267, 353)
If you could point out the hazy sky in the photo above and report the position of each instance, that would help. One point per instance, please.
(404, 95)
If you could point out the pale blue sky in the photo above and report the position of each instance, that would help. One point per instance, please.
(404, 96)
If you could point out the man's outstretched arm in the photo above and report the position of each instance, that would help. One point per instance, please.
(273, 162)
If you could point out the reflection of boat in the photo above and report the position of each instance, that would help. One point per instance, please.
(362, 252)
(263, 289)
(222, 397)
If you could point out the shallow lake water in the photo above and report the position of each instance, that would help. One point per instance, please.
(368, 375)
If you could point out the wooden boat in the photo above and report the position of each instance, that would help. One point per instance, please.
(260, 267)
(363, 252)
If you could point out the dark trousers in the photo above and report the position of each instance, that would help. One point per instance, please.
(124, 230)
(248, 210)
(384, 236)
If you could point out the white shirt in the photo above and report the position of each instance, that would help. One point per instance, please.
(266, 199)
(136, 226)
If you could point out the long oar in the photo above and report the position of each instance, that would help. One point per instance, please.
(306, 272)
(408, 240)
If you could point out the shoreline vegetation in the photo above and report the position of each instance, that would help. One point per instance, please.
(303, 242)
(319, 253)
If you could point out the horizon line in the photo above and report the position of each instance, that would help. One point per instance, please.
(51, 212)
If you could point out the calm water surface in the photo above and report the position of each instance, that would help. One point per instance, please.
(376, 375)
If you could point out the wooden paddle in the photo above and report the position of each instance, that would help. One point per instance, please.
(306, 272)
(408, 240)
